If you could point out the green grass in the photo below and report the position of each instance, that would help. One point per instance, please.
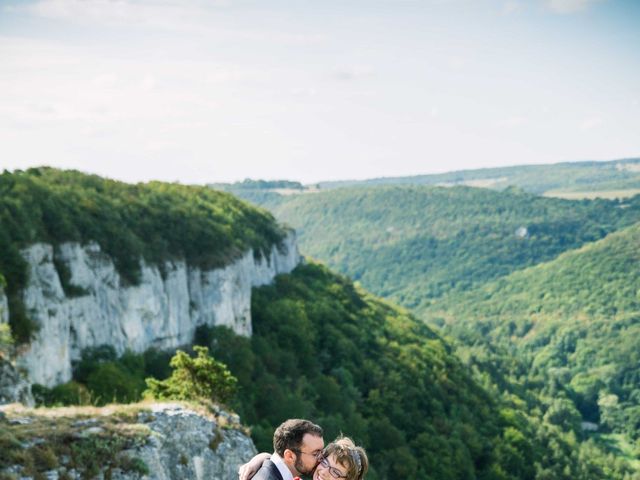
(58, 439)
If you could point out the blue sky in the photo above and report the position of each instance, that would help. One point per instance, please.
(221, 90)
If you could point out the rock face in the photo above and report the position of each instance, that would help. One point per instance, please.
(163, 311)
(166, 441)
(4, 307)
(13, 386)
(184, 444)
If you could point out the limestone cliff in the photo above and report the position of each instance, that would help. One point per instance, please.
(185, 444)
(162, 311)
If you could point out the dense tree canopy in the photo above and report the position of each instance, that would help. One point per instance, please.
(559, 338)
(414, 244)
(325, 350)
(573, 325)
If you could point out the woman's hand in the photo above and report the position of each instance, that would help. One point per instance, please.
(249, 469)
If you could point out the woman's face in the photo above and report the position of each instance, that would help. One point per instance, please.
(330, 469)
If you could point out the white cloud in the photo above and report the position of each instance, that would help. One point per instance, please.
(511, 6)
(105, 80)
(353, 72)
(570, 6)
(159, 14)
(457, 62)
(199, 18)
(513, 122)
(590, 123)
(304, 91)
(148, 82)
(81, 86)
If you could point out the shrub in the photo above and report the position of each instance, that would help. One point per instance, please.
(6, 341)
(201, 379)
(70, 393)
(111, 382)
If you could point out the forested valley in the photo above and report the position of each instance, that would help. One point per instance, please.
(513, 354)
(539, 295)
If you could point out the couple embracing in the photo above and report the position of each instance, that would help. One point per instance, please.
(299, 449)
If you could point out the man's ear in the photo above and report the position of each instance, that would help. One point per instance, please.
(289, 456)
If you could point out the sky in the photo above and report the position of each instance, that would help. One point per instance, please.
(202, 91)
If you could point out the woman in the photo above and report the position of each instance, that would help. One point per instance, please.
(341, 459)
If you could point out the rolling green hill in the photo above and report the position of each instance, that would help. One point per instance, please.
(414, 244)
(573, 324)
(584, 177)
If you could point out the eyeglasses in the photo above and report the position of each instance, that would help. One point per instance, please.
(335, 473)
(317, 454)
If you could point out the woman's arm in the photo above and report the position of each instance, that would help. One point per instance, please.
(249, 469)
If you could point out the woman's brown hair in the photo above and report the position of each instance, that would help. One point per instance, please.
(348, 455)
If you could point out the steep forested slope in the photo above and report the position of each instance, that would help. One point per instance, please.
(322, 349)
(413, 244)
(325, 350)
(572, 325)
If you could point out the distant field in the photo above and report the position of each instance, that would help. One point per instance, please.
(295, 191)
(480, 183)
(608, 194)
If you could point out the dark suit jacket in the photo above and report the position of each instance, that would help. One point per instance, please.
(268, 471)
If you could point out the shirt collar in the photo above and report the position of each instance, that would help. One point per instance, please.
(282, 467)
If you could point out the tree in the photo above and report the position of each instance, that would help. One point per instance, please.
(201, 379)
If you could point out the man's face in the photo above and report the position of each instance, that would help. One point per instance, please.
(310, 450)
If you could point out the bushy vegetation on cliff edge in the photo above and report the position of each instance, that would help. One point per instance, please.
(413, 244)
(153, 221)
(567, 330)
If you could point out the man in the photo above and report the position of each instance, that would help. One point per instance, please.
(297, 446)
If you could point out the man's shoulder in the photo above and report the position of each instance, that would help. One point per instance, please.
(268, 471)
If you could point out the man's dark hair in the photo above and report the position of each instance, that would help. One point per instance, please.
(289, 434)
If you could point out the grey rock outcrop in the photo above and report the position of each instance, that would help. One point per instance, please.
(163, 311)
(13, 386)
(172, 441)
(184, 444)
